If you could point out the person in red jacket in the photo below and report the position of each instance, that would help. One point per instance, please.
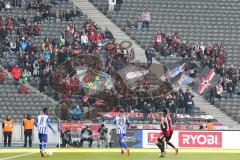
(91, 37)
(16, 73)
(36, 29)
(9, 25)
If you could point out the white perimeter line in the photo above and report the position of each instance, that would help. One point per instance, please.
(20, 155)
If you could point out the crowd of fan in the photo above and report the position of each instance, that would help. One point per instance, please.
(91, 40)
(73, 41)
(176, 101)
(212, 55)
(48, 12)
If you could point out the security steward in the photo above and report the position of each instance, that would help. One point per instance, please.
(7, 126)
(28, 124)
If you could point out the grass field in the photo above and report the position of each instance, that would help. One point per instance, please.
(114, 154)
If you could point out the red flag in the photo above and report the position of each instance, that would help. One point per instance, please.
(85, 99)
(205, 82)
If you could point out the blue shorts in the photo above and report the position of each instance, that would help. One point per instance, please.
(42, 137)
(120, 136)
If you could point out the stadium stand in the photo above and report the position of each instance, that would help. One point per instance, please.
(52, 16)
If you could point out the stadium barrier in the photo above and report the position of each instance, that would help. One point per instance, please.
(139, 138)
(195, 139)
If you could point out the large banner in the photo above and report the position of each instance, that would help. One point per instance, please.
(195, 139)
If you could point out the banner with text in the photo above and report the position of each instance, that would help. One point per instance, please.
(195, 139)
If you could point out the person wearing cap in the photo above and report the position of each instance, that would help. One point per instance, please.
(86, 135)
(7, 127)
(28, 124)
(103, 135)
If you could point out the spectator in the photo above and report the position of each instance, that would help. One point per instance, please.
(86, 135)
(84, 41)
(8, 6)
(13, 46)
(46, 54)
(37, 18)
(109, 68)
(187, 94)
(158, 41)
(25, 76)
(190, 105)
(9, 25)
(35, 68)
(149, 55)
(103, 135)
(219, 91)
(6, 45)
(3, 33)
(23, 44)
(16, 73)
(68, 16)
(36, 29)
(139, 20)
(75, 49)
(62, 110)
(119, 5)
(79, 13)
(66, 138)
(2, 5)
(197, 51)
(212, 95)
(111, 4)
(169, 39)
(55, 2)
(132, 57)
(146, 18)
(229, 88)
(209, 125)
(108, 34)
(76, 113)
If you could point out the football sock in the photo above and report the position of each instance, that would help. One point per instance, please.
(170, 144)
(44, 145)
(40, 146)
(124, 144)
(120, 143)
(161, 147)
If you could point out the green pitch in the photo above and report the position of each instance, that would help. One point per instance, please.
(114, 154)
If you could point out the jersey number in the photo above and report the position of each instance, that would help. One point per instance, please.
(120, 121)
(41, 120)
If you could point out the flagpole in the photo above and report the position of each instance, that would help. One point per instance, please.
(59, 132)
(59, 138)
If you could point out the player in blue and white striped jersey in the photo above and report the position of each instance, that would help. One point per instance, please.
(122, 123)
(43, 122)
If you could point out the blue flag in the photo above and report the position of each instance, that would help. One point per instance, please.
(185, 80)
(177, 70)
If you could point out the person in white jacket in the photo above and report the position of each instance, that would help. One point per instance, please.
(111, 4)
(84, 40)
